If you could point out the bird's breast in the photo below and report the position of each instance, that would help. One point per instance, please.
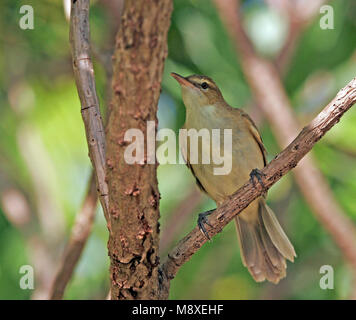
(244, 153)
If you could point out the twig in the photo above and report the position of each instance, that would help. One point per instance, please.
(85, 217)
(283, 163)
(84, 77)
(271, 97)
(79, 235)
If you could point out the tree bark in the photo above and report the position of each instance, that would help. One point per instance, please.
(141, 49)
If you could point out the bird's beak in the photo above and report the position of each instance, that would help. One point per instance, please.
(182, 81)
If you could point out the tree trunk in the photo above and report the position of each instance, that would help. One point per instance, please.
(141, 49)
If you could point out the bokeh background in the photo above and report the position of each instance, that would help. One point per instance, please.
(44, 166)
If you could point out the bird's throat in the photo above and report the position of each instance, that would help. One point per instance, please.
(202, 117)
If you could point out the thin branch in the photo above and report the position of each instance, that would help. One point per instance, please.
(283, 163)
(79, 235)
(85, 217)
(84, 77)
(84, 221)
(272, 98)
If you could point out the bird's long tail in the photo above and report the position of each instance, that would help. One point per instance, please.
(264, 245)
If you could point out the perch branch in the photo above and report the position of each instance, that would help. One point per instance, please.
(283, 163)
(85, 81)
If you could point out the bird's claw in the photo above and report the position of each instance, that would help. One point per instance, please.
(202, 220)
(256, 173)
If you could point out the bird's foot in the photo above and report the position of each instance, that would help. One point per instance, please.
(202, 221)
(258, 174)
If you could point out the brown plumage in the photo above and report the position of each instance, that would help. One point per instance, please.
(264, 245)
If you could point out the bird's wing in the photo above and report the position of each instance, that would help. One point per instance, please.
(256, 135)
(200, 186)
(186, 159)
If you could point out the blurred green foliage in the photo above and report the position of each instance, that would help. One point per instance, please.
(40, 115)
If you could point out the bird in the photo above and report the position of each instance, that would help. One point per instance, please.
(264, 246)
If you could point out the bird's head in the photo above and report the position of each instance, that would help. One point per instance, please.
(198, 91)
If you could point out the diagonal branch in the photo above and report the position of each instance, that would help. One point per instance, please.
(84, 78)
(278, 167)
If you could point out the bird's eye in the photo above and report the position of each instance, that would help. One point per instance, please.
(204, 85)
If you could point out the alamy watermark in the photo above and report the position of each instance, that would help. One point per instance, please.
(327, 20)
(201, 146)
(327, 280)
(27, 281)
(27, 20)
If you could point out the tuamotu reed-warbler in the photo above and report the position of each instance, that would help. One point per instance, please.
(264, 245)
